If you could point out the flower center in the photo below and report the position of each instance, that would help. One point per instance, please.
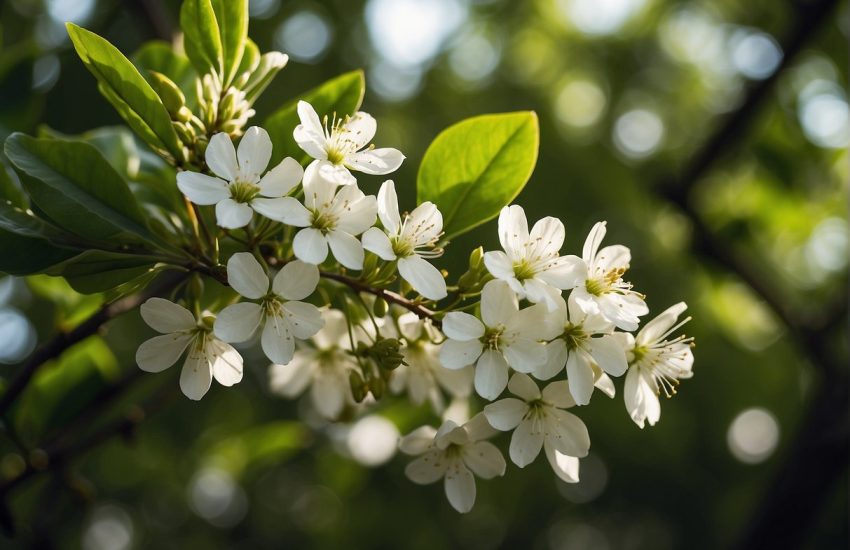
(523, 270)
(595, 287)
(335, 156)
(639, 353)
(401, 247)
(243, 191)
(574, 336)
(492, 337)
(324, 221)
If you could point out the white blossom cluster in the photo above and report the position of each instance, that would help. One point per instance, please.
(567, 324)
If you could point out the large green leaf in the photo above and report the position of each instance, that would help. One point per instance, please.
(341, 95)
(98, 271)
(11, 192)
(477, 166)
(202, 38)
(130, 94)
(77, 188)
(27, 255)
(232, 17)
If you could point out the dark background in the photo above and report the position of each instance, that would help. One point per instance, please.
(660, 116)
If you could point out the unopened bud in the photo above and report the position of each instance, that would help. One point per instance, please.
(380, 307)
(168, 92)
(386, 353)
(358, 387)
(476, 259)
(378, 387)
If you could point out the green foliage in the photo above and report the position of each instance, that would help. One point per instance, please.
(159, 56)
(202, 39)
(95, 271)
(9, 191)
(477, 166)
(26, 255)
(76, 187)
(341, 95)
(130, 94)
(257, 447)
(232, 17)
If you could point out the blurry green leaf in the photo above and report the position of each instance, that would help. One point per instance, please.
(202, 38)
(64, 387)
(72, 307)
(259, 446)
(98, 271)
(26, 255)
(24, 223)
(159, 56)
(77, 187)
(250, 57)
(232, 17)
(115, 143)
(10, 192)
(477, 166)
(127, 90)
(341, 95)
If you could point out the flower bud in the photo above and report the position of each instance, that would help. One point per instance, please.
(386, 353)
(358, 387)
(380, 307)
(168, 92)
(378, 387)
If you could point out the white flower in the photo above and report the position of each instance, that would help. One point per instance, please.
(208, 356)
(657, 364)
(507, 337)
(531, 262)
(404, 242)
(602, 288)
(423, 375)
(324, 368)
(538, 420)
(453, 453)
(328, 218)
(586, 345)
(239, 191)
(340, 147)
(284, 318)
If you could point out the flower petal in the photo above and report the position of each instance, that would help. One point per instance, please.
(506, 414)
(310, 134)
(304, 319)
(565, 467)
(591, 244)
(580, 376)
(558, 394)
(196, 376)
(359, 212)
(346, 249)
(491, 375)
(238, 322)
(427, 469)
(246, 276)
(609, 354)
(567, 433)
(281, 179)
(160, 352)
(388, 208)
(513, 231)
(524, 355)
(526, 442)
(457, 354)
(296, 280)
(459, 325)
(230, 214)
(460, 487)
(292, 379)
(499, 265)
(254, 154)
(277, 341)
(418, 441)
(423, 277)
(165, 316)
(310, 246)
(546, 238)
(201, 188)
(524, 387)
(376, 241)
(423, 226)
(226, 362)
(375, 161)
(657, 328)
(328, 395)
(565, 273)
(359, 129)
(336, 174)
(285, 209)
(498, 303)
(484, 459)
(221, 157)
(556, 359)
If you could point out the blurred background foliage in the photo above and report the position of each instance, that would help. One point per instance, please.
(627, 91)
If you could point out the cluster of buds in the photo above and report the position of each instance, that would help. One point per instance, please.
(383, 353)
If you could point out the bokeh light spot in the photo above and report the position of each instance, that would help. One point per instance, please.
(580, 103)
(599, 17)
(372, 440)
(109, 528)
(17, 336)
(754, 54)
(638, 133)
(215, 496)
(753, 435)
(305, 36)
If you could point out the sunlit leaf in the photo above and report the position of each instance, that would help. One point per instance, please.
(477, 166)
(202, 38)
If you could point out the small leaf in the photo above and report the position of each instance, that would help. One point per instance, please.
(159, 56)
(77, 188)
(341, 95)
(232, 17)
(477, 166)
(202, 38)
(10, 191)
(130, 94)
(257, 447)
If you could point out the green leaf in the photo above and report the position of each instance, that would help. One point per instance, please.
(98, 271)
(11, 192)
(159, 56)
(477, 166)
(232, 17)
(27, 255)
(250, 58)
(23, 222)
(260, 446)
(77, 188)
(202, 38)
(341, 95)
(130, 94)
